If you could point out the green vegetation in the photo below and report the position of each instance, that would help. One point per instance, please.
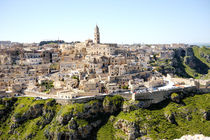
(190, 71)
(78, 108)
(81, 122)
(51, 42)
(125, 87)
(179, 68)
(2, 107)
(34, 119)
(199, 52)
(22, 105)
(75, 77)
(29, 127)
(174, 95)
(54, 66)
(202, 54)
(93, 102)
(71, 109)
(163, 65)
(189, 119)
(106, 132)
(188, 63)
(199, 63)
(48, 85)
(66, 110)
(116, 100)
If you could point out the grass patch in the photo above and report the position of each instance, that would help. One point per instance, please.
(155, 124)
(204, 50)
(116, 100)
(81, 122)
(2, 107)
(106, 132)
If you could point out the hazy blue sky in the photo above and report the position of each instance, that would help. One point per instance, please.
(120, 21)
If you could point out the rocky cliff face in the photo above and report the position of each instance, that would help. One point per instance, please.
(195, 137)
(111, 118)
(167, 120)
(73, 121)
(195, 63)
(191, 62)
(131, 129)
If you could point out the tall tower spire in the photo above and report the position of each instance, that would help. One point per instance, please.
(97, 35)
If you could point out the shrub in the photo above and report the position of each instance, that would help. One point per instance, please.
(174, 95)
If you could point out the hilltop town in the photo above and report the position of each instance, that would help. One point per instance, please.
(104, 70)
(88, 69)
(94, 90)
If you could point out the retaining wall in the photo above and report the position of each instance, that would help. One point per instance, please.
(148, 97)
(158, 96)
(204, 90)
(80, 100)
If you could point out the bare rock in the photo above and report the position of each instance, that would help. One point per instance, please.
(85, 131)
(112, 104)
(129, 128)
(170, 117)
(206, 115)
(72, 124)
(130, 106)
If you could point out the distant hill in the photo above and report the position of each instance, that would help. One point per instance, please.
(192, 62)
(201, 44)
(50, 42)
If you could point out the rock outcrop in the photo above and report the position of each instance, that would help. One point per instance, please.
(79, 120)
(175, 97)
(130, 105)
(170, 117)
(206, 115)
(129, 128)
(185, 57)
(112, 104)
(195, 137)
(5, 107)
(27, 118)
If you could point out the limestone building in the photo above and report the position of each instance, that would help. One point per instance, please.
(95, 47)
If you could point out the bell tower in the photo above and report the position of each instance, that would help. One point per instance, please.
(97, 35)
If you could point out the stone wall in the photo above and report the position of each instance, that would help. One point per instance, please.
(158, 96)
(183, 80)
(127, 96)
(191, 82)
(81, 100)
(87, 99)
(148, 98)
(204, 90)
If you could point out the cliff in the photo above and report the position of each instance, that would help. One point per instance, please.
(167, 120)
(192, 62)
(110, 118)
(27, 118)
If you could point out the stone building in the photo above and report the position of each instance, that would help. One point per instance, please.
(155, 82)
(101, 49)
(97, 35)
(95, 48)
(66, 94)
(32, 58)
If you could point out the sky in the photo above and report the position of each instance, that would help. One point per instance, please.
(119, 21)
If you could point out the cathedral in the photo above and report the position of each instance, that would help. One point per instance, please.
(96, 47)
